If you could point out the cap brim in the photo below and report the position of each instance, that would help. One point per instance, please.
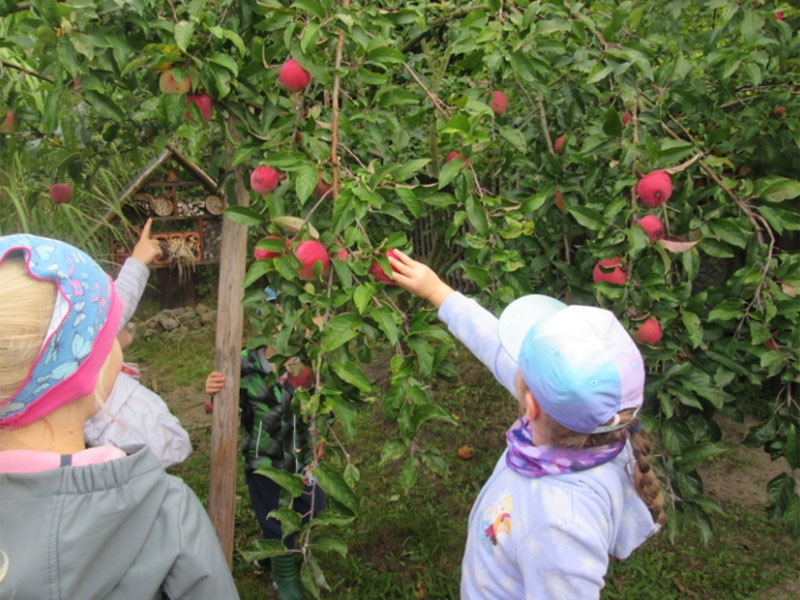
(522, 314)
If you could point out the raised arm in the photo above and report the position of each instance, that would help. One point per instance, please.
(471, 324)
(132, 278)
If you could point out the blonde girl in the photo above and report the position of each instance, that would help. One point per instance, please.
(573, 486)
(102, 522)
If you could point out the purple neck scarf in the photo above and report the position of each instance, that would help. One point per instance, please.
(529, 460)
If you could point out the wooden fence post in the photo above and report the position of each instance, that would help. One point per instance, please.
(228, 360)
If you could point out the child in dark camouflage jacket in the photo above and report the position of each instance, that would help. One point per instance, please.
(273, 435)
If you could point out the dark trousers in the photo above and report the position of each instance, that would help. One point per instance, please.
(265, 497)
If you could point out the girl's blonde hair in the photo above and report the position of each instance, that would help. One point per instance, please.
(26, 307)
(644, 478)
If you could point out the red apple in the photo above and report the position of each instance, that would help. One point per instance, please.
(610, 271)
(309, 253)
(293, 76)
(342, 254)
(454, 155)
(376, 270)
(303, 376)
(779, 16)
(558, 146)
(60, 193)
(209, 406)
(322, 187)
(7, 126)
(649, 332)
(499, 103)
(169, 85)
(261, 253)
(770, 343)
(560, 201)
(652, 226)
(204, 103)
(626, 118)
(654, 188)
(264, 179)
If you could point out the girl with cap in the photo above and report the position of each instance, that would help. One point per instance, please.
(102, 522)
(574, 485)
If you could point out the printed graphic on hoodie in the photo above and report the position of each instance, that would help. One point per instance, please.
(496, 521)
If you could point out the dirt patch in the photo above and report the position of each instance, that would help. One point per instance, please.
(740, 473)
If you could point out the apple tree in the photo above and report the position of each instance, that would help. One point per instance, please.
(554, 116)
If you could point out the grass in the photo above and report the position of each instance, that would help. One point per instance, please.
(409, 545)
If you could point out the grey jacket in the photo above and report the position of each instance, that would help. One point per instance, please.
(122, 529)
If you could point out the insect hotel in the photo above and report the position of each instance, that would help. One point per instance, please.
(186, 207)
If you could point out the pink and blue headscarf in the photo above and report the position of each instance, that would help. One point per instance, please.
(81, 333)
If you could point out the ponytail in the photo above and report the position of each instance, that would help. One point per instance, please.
(644, 479)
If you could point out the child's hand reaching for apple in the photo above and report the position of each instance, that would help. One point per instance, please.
(418, 278)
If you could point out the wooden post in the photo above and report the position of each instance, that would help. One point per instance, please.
(228, 360)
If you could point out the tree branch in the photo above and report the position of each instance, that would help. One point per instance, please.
(5, 63)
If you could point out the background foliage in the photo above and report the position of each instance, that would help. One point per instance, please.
(396, 86)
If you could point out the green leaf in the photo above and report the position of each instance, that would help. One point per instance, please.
(693, 327)
(340, 330)
(727, 310)
(692, 457)
(477, 216)
(183, 34)
(290, 520)
(312, 577)
(449, 171)
(223, 60)
(310, 36)
(385, 320)
(587, 217)
(777, 189)
(408, 476)
(326, 543)
(424, 353)
(516, 138)
(362, 296)
(244, 215)
(598, 73)
(406, 170)
(792, 448)
(353, 374)
(335, 486)
(104, 106)
(257, 270)
(261, 549)
(305, 182)
(291, 482)
(392, 450)
(612, 123)
(345, 414)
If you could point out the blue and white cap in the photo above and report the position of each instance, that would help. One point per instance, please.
(579, 362)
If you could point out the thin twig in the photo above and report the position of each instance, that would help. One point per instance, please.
(545, 128)
(756, 299)
(438, 104)
(10, 65)
(335, 101)
(739, 202)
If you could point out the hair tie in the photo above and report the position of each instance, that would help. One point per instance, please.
(636, 428)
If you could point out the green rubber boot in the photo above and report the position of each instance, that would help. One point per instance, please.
(284, 578)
